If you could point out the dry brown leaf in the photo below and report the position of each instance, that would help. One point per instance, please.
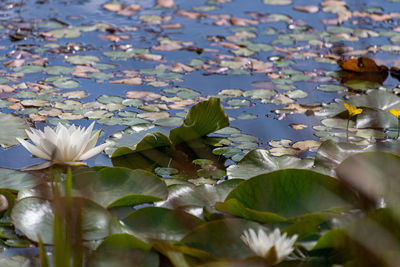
(361, 64)
(171, 26)
(75, 94)
(380, 17)
(190, 14)
(131, 81)
(115, 38)
(298, 108)
(113, 7)
(6, 88)
(167, 47)
(16, 106)
(166, 3)
(37, 117)
(153, 115)
(129, 10)
(242, 22)
(306, 145)
(83, 68)
(70, 116)
(307, 9)
(180, 67)
(281, 151)
(14, 63)
(283, 99)
(154, 57)
(229, 45)
(50, 112)
(37, 86)
(333, 3)
(39, 62)
(147, 96)
(343, 16)
(298, 126)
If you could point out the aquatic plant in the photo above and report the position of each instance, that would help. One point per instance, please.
(275, 247)
(64, 145)
(353, 111)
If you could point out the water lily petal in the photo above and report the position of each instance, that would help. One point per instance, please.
(33, 149)
(94, 151)
(92, 141)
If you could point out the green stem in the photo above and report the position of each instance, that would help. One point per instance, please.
(347, 129)
(398, 128)
(68, 183)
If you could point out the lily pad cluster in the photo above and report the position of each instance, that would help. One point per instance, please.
(184, 186)
(150, 208)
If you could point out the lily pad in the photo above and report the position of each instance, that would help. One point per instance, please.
(287, 193)
(260, 161)
(155, 223)
(94, 222)
(82, 59)
(112, 187)
(221, 238)
(16, 180)
(15, 128)
(122, 250)
(203, 118)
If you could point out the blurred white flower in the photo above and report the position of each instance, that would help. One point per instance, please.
(262, 243)
(66, 145)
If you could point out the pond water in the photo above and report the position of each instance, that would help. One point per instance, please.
(183, 54)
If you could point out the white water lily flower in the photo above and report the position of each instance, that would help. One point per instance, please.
(66, 145)
(262, 243)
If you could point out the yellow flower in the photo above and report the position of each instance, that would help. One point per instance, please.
(353, 110)
(395, 112)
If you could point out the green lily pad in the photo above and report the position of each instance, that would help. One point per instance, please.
(65, 33)
(29, 69)
(287, 193)
(64, 82)
(15, 128)
(330, 154)
(373, 174)
(105, 99)
(16, 180)
(331, 88)
(203, 118)
(58, 70)
(221, 238)
(155, 223)
(260, 161)
(199, 196)
(94, 222)
(82, 59)
(122, 250)
(111, 187)
(259, 93)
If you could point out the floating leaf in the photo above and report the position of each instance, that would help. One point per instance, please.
(154, 223)
(82, 59)
(260, 161)
(16, 180)
(15, 128)
(94, 222)
(112, 187)
(221, 238)
(58, 70)
(202, 119)
(122, 249)
(287, 193)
